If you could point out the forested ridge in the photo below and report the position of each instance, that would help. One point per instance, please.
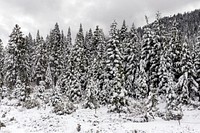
(133, 68)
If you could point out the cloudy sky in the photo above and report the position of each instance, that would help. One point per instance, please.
(43, 14)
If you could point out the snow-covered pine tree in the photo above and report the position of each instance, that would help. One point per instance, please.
(16, 59)
(146, 55)
(67, 49)
(176, 50)
(63, 50)
(187, 87)
(115, 73)
(99, 63)
(41, 62)
(159, 50)
(152, 101)
(73, 89)
(36, 43)
(77, 70)
(150, 57)
(69, 38)
(1, 63)
(88, 40)
(156, 50)
(23, 60)
(141, 90)
(89, 49)
(123, 37)
(99, 43)
(67, 69)
(10, 58)
(48, 77)
(31, 52)
(55, 55)
(35, 49)
(196, 60)
(131, 59)
(173, 107)
(123, 32)
(165, 71)
(19, 91)
(91, 94)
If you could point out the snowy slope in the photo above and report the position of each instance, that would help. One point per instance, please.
(21, 120)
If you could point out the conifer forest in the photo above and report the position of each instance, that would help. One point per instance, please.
(138, 73)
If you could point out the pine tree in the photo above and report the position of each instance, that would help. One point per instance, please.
(131, 60)
(151, 57)
(123, 32)
(91, 95)
(89, 49)
(48, 77)
(147, 55)
(41, 62)
(68, 49)
(115, 75)
(98, 63)
(63, 51)
(157, 51)
(23, 60)
(176, 51)
(196, 61)
(64, 79)
(16, 60)
(69, 38)
(30, 53)
(187, 86)
(74, 89)
(31, 49)
(77, 70)
(88, 40)
(165, 71)
(19, 91)
(173, 106)
(152, 101)
(55, 55)
(1, 62)
(141, 90)
(34, 45)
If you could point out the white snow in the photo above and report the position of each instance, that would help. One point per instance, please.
(21, 120)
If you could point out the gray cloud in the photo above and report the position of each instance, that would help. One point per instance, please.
(43, 14)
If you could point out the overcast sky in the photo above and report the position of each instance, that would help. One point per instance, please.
(43, 14)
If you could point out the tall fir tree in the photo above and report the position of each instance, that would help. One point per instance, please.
(146, 54)
(77, 68)
(131, 60)
(67, 67)
(16, 60)
(141, 91)
(99, 63)
(187, 87)
(41, 62)
(89, 49)
(63, 49)
(68, 48)
(1, 63)
(115, 73)
(176, 50)
(196, 60)
(55, 55)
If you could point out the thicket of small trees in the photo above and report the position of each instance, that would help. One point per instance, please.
(150, 66)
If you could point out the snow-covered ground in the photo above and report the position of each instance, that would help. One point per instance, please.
(21, 120)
